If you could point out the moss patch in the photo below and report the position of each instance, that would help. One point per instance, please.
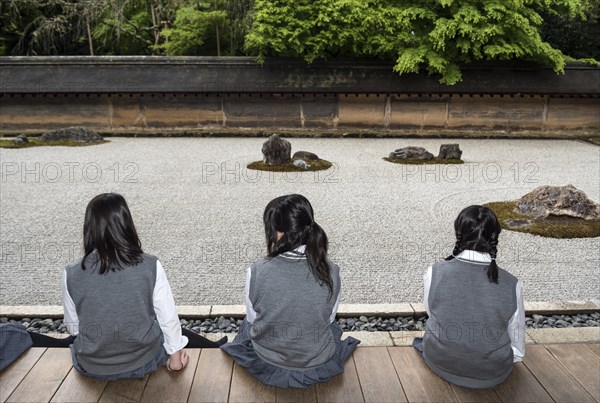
(33, 142)
(319, 165)
(416, 161)
(551, 227)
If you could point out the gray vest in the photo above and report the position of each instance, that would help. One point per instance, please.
(466, 339)
(118, 330)
(292, 327)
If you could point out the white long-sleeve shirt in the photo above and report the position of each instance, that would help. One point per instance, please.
(251, 313)
(516, 325)
(164, 307)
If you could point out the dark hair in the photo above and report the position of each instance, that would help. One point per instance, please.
(293, 216)
(477, 228)
(108, 228)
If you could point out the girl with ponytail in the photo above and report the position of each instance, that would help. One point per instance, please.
(476, 325)
(289, 337)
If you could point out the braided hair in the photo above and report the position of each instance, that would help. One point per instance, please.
(477, 228)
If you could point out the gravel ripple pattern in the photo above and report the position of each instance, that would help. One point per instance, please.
(199, 210)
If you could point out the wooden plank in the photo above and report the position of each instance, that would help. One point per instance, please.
(246, 388)
(172, 386)
(553, 377)
(475, 395)
(124, 390)
(521, 386)
(419, 383)
(45, 377)
(377, 375)
(582, 365)
(213, 377)
(12, 376)
(79, 388)
(344, 387)
(297, 395)
(595, 348)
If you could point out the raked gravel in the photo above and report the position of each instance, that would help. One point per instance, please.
(199, 210)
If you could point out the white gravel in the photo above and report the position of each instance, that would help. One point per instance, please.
(199, 210)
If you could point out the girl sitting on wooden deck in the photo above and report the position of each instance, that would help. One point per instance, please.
(290, 337)
(118, 302)
(476, 325)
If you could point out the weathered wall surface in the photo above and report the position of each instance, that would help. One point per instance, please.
(136, 112)
(136, 93)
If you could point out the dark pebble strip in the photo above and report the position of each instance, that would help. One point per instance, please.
(362, 323)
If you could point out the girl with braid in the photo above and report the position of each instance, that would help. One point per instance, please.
(476, 326)
(290, 337)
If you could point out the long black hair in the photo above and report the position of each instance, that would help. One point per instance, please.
(108, 228)
(477, 228)
(293, 216)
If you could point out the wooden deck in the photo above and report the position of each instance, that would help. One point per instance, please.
(559, 372)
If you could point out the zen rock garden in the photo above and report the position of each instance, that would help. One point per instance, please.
(277, 156)
(373, 215)
(551, 211)
(448, 154)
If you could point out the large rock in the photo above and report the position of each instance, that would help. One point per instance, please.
(411, 153)
(558, 201)
(20, 140)
(276, 151)
(450, 152)
(23, 137)
(305, 155)
(73, 134)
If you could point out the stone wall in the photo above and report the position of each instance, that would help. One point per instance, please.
(136, 112)
(135, 93)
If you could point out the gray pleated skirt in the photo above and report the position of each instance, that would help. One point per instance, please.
(159, 360)
(242, 351)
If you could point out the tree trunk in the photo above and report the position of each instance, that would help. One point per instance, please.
(155, 26)
(218, 41)
(217, 33)
(89, 33)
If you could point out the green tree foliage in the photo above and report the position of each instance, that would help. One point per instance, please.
(238, 23)
(217, 27)
(437, 35)
(123, 27)
(134, 27)
(191, 28)
(46, 27)
(578, 36)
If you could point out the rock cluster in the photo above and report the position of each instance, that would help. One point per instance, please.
(418, 153)
(301, 164)
(450, 152)
(561, 321)
(277, 151)
(75, 133)
(447, 151)
(305, 155)
(566, 200)
(374, 324)
(21, 139)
